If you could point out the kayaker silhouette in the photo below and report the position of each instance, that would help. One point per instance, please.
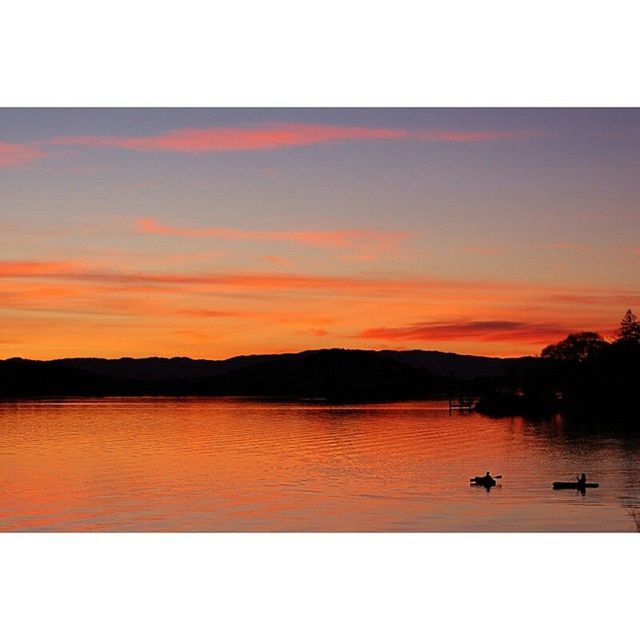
(487, 481)
(580, 484)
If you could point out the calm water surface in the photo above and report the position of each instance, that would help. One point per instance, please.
(234, 465)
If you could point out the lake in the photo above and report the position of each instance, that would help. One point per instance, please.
(244, 465)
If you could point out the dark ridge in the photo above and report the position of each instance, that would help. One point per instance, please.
(453, 365)
(340, 374)
(155, 368)
(461, 367)
(334, 374)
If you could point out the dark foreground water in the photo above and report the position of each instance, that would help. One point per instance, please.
(234, 465)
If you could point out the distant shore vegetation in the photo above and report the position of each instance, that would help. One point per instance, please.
(584, 373)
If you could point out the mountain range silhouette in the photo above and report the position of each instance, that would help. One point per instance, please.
(334, 374)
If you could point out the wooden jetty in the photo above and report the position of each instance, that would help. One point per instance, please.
(461, 403)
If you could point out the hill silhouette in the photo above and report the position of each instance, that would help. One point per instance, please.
(338, 374)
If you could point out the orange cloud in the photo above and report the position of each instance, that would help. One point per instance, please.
(258, 281)
(59, 307)
(33, 295)
(410, 292)
(482, 331)
(214, 313)
(316, 333)
(17, 154)
(334, 238)
(280, 260)
(21, 269)
(146, 281)
(356, 258)
(273, 136)
(622, 299)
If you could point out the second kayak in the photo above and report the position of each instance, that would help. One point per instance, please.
(575, 485)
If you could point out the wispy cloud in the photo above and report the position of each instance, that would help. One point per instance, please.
(356, 258)
(12, 155)
(477, 330)
(279, 260)
(139, 186)
(478, 250)
(316, 333)
(252, 306)
(256, 280)
(276, 135)
(564, 246)
(215, 313)
(414, 287)
(36, 268)
(332, 238)
(621, 299)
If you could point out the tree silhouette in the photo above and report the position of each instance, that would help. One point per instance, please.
(629, 330)
(576, 347)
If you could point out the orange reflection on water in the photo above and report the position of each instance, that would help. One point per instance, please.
(231, 465)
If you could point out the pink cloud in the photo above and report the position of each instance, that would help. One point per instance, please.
(17, 154)
(273, 136)
(333, 238)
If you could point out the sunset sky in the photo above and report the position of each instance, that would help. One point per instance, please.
(211, 233)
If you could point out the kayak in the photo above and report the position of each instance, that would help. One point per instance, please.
(575, 485)
(483, 481)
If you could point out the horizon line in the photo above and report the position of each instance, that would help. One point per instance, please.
(280, 353)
